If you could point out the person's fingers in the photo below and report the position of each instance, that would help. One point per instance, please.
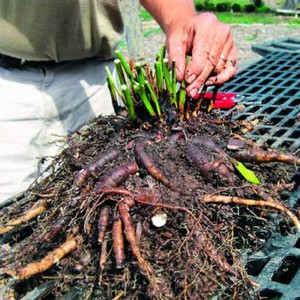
(177, 47)
(221, 45)
(192, 89)
(210, 45)
(201, 45)
(224, 55)
(206, 52)
(228, 71)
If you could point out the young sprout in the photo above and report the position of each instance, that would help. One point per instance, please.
(140, 72)
(159, 75)
(124, 63)
(174, 83)
(162, 53)
(138, 80)
(120, 73)
(167, 77)
(113, 89)
(154, 98)
(129, 102)
(140, 90)
(182, 96)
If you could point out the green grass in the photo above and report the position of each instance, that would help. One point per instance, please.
(145, 15)
(240, 2)
(245, 18)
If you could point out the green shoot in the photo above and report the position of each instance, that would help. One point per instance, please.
(111, 82)
(182, 96)
(129, 102)
(120, 73)
(166, 73)
(159, 75)
(173, 83)
(162, 53)
(124, 63)
(140, 90)
(140, 72)
(112, 86)
(153, 96)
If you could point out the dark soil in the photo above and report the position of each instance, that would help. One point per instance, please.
(197, 254)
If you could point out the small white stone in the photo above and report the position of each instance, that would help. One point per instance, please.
(159, 220)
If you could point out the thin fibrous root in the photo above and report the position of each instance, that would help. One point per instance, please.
(142, 199)
(71, 244)
(250, 202)
(26, 216)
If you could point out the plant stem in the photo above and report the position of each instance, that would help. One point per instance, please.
(159, 75)
(153, 96)
(140, 89)
(174, 82)
(112, 81)
(162, 53)
(182, 96)
(166, 74)
(169, 86)
(124, 63)
(113, 90)
(120, 73)
(129, 102)
(140, 72)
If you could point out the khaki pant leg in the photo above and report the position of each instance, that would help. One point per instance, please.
(39, 106)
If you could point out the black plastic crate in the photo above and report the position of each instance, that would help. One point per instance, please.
(270, 92)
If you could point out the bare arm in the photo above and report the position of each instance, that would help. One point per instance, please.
(167, 11)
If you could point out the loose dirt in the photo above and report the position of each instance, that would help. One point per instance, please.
(196, 254)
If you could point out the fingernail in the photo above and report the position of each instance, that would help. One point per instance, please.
(208, 83)
(193, 92)
(191, 79)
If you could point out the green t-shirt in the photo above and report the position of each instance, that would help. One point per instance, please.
(59, 30)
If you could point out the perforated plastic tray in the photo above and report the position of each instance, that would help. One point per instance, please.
(270, 91)
(288, 44)
(276, 267)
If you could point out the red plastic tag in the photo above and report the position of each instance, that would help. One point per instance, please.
(222, 101)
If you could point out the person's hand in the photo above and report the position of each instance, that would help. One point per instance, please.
(209, 43)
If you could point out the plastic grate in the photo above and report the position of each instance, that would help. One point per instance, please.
(270, 92)
(288, 44)
(276, 267)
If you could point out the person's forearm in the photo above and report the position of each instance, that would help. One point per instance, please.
(167, 11)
